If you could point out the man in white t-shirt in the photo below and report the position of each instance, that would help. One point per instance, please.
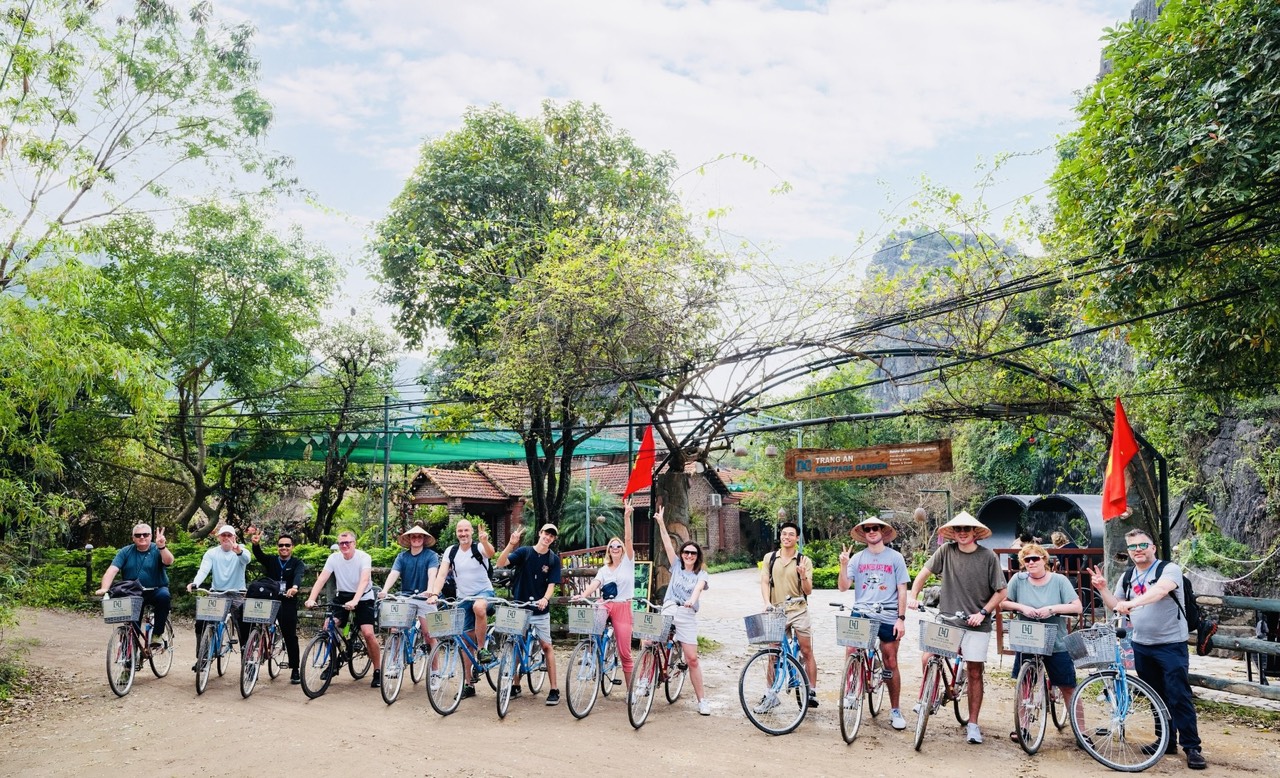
(351, 570)
(468, 562)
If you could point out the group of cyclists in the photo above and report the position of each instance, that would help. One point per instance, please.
(972, 584)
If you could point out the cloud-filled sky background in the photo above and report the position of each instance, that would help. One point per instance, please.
(847, 102)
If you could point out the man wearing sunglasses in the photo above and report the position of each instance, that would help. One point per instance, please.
(352, 571)
(1153, 602)
(287, 571)
(146, 563)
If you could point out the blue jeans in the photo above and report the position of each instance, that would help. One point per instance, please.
(158, 599)
(1165, 667)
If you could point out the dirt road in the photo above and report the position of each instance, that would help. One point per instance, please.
(78, 727)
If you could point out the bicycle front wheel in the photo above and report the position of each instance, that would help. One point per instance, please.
(536, 673)
(851, 691)
(1120, 721)
(582, 682)
(508, 661)
(675, 672)
(644, 685)
(1057, 707)
(275, 652)
(318, 666)
(224, 644)
(445, 676)
(204, 658)
(611, 666)
(250, 662)
(162, 655)
(960, 696)
(774, 692)
(1029, 702)
(392, 666)
(121, 666)
(417, 657)
(929, 691)
(877, 686)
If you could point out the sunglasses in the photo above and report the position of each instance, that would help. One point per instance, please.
(614, 547)
(284, 545)
(870, 529)
(962, 530)
(1139, 546)
(346, 542)
(689, 552)
(1032, 558)
(142, 534)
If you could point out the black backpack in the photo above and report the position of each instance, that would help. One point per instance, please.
(264, 589)
(1188, 608)
(450, 588)
(799, 559)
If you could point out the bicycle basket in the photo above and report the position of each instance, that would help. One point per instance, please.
(259, 611)
(442, 624)
(511, 621)
(856, 632)
(1092, 647)
(394, 614)
(212, 608)
(941, 639)
(651, 625)
(1031, 637)
(118, 610)
(766, 627)
(588, 620)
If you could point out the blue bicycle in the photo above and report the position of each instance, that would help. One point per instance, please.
(594, 664)
(216, 642)
(773, 687)
(328, 651)
(520, 653)
(404, 647)
(454, 661)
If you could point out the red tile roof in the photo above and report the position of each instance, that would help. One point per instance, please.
(463, 484)
(512, 480)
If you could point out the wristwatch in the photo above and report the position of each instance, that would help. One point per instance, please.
(985, 613)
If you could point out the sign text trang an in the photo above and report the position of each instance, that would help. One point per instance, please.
(814, 464)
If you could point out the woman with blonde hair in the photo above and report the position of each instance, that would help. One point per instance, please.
(616, 583)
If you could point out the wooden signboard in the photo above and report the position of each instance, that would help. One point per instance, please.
(813, 464)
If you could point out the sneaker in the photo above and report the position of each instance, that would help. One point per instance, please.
(642, 689)
(468, 691)
(1195, 760)
(294, 678)
(704, 707)
(916, 709)
(485, 656)
(767, 703)
(553, 697)
(895, 718)
(974, 734)
(377, 680)
(813, 699)
(515, 692)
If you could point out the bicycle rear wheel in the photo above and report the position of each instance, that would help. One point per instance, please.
(644, 683)
(358, 660)
(1121, 722)
(392, 665)
(251, 662)
(851, 691)
(929, 692)
(611, 667)
(1030, 699)
(418, 657)
(774, 692)
(960, 700)
(224, 643)
(319, 665)
(445, 676)
(508, 661)
(1057, 707)
(204, 658)
(675, 672)
(274, 651)
(162, 655)
(582, 681)
(536, 673)
(121, 666)
(876, 689)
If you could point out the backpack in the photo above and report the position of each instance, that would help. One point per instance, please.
(126, 588)
(1188, 608)
(450, 588)
(799, 577)
(264, 589)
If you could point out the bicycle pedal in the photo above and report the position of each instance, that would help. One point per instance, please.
(681, 666)
(617, 681)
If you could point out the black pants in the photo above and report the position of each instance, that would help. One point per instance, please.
(287, 619)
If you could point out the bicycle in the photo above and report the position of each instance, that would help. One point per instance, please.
(1034, 700)
(661, 661)
(594, 664)
(774, 678)
(863, 667)
(1131, 727)
(263, 644)
(330, 649)
(216, 640)
(941, 639)
(403, 646)
(129, 644)
(445, 676)
(520, 653)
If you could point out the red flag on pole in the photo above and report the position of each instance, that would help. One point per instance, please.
(1123, 448)
(642, 474)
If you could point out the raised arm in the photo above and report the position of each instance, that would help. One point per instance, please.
(913, 597)
(666, 538)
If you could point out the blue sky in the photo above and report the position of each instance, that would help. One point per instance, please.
(848, 102)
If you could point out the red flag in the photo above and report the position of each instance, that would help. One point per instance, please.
(1123, 448)
(642, 475)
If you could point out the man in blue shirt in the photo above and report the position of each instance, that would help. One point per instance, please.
(414, 568)
(146, 563)
(537, 573)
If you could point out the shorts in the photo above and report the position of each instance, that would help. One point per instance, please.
(365, 611)
(685, 621)
(798, 620)
(469, 621)
(1062, 671)
(974, 646)
(540, 625)
(886, 633)
(419, 607)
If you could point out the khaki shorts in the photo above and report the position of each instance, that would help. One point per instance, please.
(798, 620)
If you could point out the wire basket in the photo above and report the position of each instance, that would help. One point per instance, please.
(260, 611)
(396, 614)
(766, 627)
(651, 625)
(1031, 637)
(118, 610)
(444, 623)
(941, 639)
(1092, 647)
(588, 620)
(856, 632)
(511, 621)
(212, 608)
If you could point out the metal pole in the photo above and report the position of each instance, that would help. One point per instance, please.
(800, 492)
(386, 464)
(587, 501)
(88, 566)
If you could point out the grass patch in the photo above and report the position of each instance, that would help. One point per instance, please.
(707, 644)
(733, 564)
(1239, 715)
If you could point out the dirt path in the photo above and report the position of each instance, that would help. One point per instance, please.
(162, 728)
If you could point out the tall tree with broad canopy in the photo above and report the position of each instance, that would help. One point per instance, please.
(536, 247)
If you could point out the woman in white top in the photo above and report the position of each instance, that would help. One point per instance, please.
(688, 582)
(616, 583)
